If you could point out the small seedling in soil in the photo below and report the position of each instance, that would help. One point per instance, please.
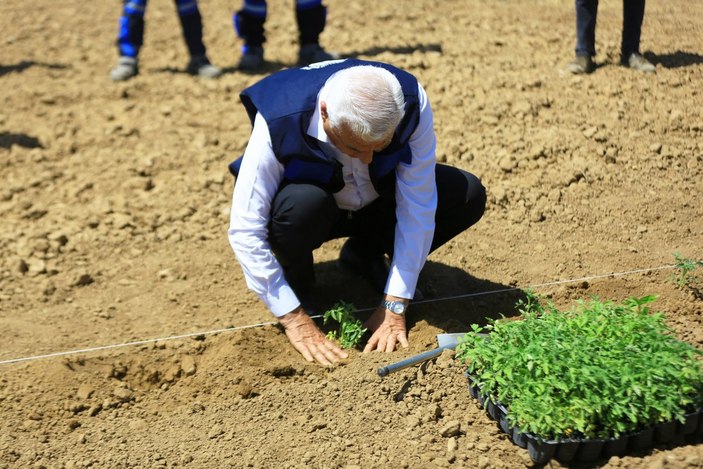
(685, 277)
(350, 331)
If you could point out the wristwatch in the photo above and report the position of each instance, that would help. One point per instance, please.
(397, 307)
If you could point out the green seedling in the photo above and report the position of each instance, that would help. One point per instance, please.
(685, 276)
(598, 370)
(350, 331)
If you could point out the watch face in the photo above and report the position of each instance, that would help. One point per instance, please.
(396, 307)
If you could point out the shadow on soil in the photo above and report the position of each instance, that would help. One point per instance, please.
(8, 139)
(270, 67)
(373, 51)
(25, 64)
(453, 299)
(675, 60)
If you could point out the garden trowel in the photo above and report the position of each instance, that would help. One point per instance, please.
(444, 341)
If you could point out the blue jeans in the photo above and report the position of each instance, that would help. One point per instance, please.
(586, 14)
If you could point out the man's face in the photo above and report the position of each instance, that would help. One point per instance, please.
(349, 143)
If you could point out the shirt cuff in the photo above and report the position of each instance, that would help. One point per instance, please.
(281, 301)
(401, 283)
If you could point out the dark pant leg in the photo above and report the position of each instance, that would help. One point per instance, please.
(586, 14)
(131, 33)
(371, 230)
(249, 22)
(461, 201)
(311, 17)
(632, 17)
(302, 216)
(192, 25)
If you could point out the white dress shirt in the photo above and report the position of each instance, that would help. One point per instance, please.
(258, 181)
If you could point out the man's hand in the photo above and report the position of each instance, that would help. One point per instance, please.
(389, 330)
(309, 340)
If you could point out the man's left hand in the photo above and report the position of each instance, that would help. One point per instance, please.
(389, 330)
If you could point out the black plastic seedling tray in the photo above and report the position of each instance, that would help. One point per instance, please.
(576, 450)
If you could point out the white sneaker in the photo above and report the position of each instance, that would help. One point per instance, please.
(200, 66)
(636, 62)
(126, 68)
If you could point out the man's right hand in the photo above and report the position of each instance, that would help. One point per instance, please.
(309, 340)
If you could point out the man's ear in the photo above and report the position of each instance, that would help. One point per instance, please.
(323, 111)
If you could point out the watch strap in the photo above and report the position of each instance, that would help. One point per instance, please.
(394, 306)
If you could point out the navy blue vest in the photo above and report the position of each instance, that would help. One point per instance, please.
(287, 101)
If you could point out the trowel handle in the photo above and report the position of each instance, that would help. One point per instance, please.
(414, 360)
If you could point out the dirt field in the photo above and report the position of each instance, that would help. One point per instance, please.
(115, 202)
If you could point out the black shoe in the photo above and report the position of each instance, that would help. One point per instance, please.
(309, 302)
(373, 269)
(313, 53)
(252, 59)
(302, 282)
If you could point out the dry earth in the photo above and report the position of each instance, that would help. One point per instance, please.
(114, 204)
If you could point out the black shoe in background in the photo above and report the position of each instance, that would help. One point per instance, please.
(374, 269)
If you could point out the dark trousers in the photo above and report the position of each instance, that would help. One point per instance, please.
(304, 216)
(249, 21)
(586, 14)
(131, 34)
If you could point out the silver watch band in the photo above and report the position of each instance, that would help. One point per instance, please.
(397, 307)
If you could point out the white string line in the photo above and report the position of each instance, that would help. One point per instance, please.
(550, 284)
(138, 342)
(230, 329)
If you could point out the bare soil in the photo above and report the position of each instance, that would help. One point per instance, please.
(115, 200)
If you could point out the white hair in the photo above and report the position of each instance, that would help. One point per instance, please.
(367, 99)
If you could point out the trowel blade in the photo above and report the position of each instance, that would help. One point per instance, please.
(449, 340)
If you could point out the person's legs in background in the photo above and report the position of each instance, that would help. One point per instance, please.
(249, 26)
(192, 25)
(311, 16)
(633, 15)
(586, 15)
(129, 39)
